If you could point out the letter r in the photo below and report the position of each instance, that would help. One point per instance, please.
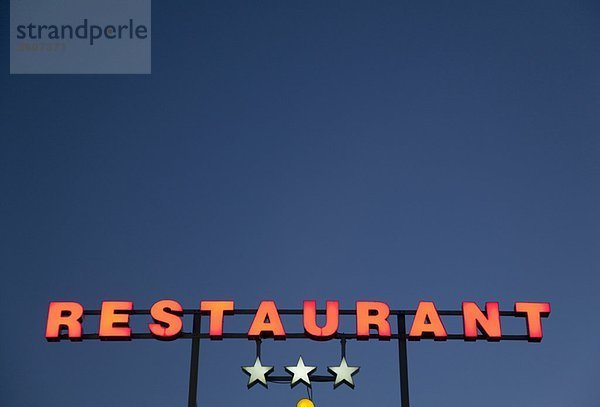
(64, 315)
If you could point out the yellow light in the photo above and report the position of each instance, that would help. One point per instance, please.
(305, 403)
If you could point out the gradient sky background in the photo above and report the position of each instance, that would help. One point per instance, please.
(347, 150)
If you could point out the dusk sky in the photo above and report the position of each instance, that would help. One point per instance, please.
(332, 150)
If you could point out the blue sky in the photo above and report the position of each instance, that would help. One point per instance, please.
(398, 151)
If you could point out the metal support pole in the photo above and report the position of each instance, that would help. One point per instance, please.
(403, 359)
(258, 343)
(193, 391)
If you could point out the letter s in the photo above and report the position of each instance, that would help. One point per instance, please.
(21, 32)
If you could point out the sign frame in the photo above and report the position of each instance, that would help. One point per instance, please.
(476, 330)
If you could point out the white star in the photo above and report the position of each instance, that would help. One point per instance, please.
(301, 372)
(343, 373)
(257, 373)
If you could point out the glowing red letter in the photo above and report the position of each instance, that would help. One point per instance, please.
(114, 320)
(533, 312)
(489, 323)
(371, 314)
(216, 311)
(64, 315)
(427, 322)
(331, 324)
(266, 321)
(167, 319)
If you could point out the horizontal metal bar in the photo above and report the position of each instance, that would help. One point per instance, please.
(240, 335)
(288, 379)
(248, 311)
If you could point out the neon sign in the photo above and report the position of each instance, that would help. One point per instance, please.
(369, 316)
(372, 320)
